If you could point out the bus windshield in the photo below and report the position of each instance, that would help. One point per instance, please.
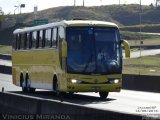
(93, 50)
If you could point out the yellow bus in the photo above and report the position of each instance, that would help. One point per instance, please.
(69, 56)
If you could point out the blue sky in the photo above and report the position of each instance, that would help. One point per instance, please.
(8, 5)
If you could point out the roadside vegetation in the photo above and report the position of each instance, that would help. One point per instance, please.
(5, 49)
(134, 38)
(148, 65)
(152, 28)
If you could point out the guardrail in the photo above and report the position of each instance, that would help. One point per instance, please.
(37, 107)
(141, 82)
(5, 69)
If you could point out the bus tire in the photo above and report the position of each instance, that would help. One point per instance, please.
(23, 83)
(103, 95)
(29, 89)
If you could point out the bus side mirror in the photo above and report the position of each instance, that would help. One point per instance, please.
(64, 48)
(126, 48)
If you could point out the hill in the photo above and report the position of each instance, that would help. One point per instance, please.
(124, 15)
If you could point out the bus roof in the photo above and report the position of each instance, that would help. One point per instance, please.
(65, 24)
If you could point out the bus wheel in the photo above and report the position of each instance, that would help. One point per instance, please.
(29, 89)
(23, 83)
(103, 95)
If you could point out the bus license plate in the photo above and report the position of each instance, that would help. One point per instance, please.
(95, 88)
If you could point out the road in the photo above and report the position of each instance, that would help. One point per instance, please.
(127, 101)
(136, 54)
(5, 62)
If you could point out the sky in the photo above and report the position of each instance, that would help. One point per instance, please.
(8, 6)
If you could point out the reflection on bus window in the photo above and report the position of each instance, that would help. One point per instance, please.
(54, 37)
(40, 38)
(48, 38)
(34, 37)
(61, 33)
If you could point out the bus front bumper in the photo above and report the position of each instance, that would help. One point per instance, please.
(94, 87)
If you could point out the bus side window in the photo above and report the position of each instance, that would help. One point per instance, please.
(37, 39)
(30, 40)
(25, 41)
(15, 41)
(22, 41)
(40, 38)
(61, 33)
(34, 37)
(48, 37)
(54, 37)
(43, 38)
(19, 41)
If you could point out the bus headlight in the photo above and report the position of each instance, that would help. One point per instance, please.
(74, 81)
(113, 80)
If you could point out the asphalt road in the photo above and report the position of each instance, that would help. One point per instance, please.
(127, 101)
(5, 62)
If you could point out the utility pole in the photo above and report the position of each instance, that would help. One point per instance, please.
(119, 2)
(21, 6)
(140, 30)
(157, 3)
(83, 3)
(74, 2)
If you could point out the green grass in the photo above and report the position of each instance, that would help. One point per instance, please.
(148, 65)
(5, 49)
(147, 42)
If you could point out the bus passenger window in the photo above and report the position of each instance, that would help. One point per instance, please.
(43, 38)
(37, 39)
(54, 37)
(15, 41)
(61, 33)
(40, 38)
(22, 41)
(25, 41)
(34, 38)
(48, 38)
(30, 40)
(19, 41)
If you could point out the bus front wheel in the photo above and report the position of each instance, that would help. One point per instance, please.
(103, 95)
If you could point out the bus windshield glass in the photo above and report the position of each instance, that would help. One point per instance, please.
(93, 50)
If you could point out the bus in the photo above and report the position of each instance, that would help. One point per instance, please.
(69, 56)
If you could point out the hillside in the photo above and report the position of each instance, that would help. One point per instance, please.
(124, 15)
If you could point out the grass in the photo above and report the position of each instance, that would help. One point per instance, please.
(152, 28)
(5, 49)
(148, 65)
(147, 42)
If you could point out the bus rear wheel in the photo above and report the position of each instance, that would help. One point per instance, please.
(28, 85)
(103, 95)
